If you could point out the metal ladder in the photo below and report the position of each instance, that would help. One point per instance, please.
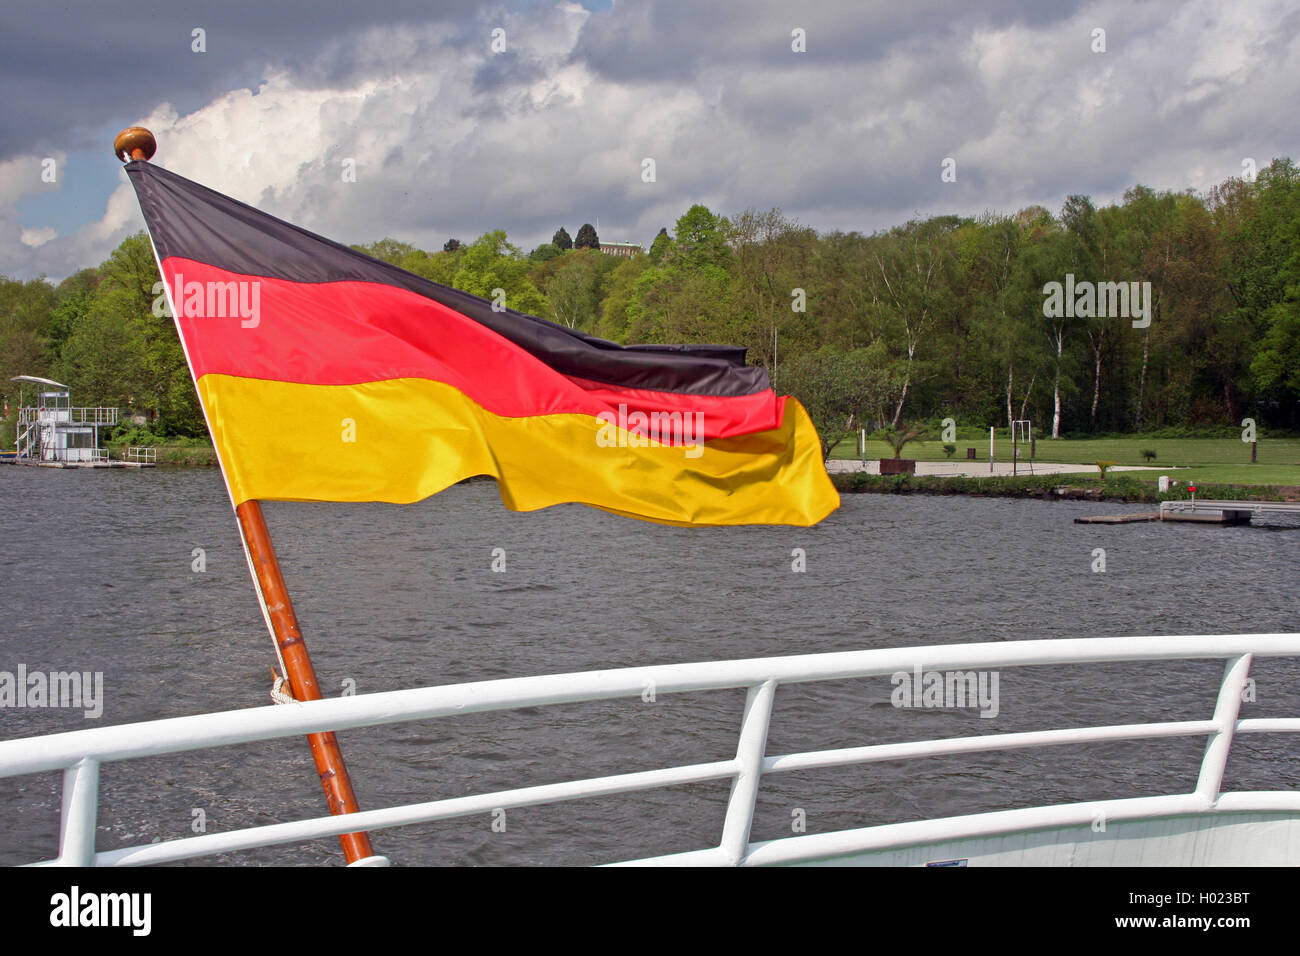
(28, 440)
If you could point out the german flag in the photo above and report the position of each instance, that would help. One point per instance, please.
(326, 375)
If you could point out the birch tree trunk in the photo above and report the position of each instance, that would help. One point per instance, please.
(1096, 374)
(1142, 381)
(1024, 406)
(907, 382)
(1056, 384)
(1010, 385)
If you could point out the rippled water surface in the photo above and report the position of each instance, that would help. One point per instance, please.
(96, 575)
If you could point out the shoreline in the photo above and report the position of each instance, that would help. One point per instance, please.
(1067, 487)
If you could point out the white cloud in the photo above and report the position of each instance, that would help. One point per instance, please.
(451, 139)
(37, 237)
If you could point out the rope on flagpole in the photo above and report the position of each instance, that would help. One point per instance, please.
(280, 692)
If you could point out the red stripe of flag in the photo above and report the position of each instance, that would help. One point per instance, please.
(274, 329)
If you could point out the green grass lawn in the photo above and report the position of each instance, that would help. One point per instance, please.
(1225, 460)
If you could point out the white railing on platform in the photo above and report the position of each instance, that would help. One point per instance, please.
(1251, 507)
(79, 754)
(141, 454)
(74, 456)
(76, 415)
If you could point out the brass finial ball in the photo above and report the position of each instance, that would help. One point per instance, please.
(134, 142)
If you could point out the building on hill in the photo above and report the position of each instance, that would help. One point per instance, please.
(627, 249)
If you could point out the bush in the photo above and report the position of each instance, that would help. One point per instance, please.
(1169, 431)
(143, 435)
(950, 450)
(1223, 492)
(125, 434)
(1148, 453)
(898, 438)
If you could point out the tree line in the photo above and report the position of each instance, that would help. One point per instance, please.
(985, 319)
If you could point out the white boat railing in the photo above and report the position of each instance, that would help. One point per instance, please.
(79, 754)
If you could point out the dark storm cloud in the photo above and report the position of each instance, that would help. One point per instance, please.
(656, 41)
(504, 71)
(453, 138)
(70, 68)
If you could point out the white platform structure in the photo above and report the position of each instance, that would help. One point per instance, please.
(1203, 827)
(53, 430)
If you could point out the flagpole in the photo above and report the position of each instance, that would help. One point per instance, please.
(299, 670)
(137, 143)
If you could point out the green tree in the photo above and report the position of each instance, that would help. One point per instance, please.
(1260, 227)
(771, 260)
(691, 296)
(561, 240)
(440, 267)
(898, 437)
(660, 247)
(587, 238)
(1045, 258)
(842, 391)
(490, 264)
(158, 377)
(573, 291)
(912, 287)
(74, 297)
(1276, 366)
(620, 287)
(701, 241)
(102, 361)
(545, 252)
(993, 337)
(26, 327)
(389, 250)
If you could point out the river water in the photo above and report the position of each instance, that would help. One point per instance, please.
(97, 573)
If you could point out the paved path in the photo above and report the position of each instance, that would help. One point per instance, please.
(973, 469)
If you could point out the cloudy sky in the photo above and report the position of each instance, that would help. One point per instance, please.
(463, 117)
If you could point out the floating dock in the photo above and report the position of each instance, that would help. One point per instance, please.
(33, 463)
(1119, 519)
(1201, 511)
(1230, 512)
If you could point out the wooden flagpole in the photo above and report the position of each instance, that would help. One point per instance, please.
(299, 671)
(138, 143)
